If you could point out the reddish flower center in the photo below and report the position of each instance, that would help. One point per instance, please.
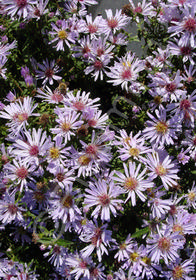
(34, 150)
(79, 105)
(49, 73)
(98, 64)
(138, 10)
(12, 208)
(185, 104)
(100, 51)
(104, 199)
(190, 24)
(112, 23)
(37, 12)
(96, 237)
(4, 159)
(22, 172)
(92, 122)
(91, 149)
(170, 87)
(92, 28)
(177, 228)
(83, 264)
(126, 74)
(60, 177)
(57, 97)
(21, 3)
(185, 50)
(164, 244)
(194, 141)
(39, 196)
(57, 249)
(85, 50)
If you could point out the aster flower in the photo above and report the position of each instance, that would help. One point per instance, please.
(84, 50)
(63, 207)
(124, 249)
(99, 238)
(57, 255)
(133, 182)
(142, 8)
(94, 119)
(67, 124)
(62, 34)
(3, 61)
(182, 157)
(125, 71)
(164, 245)
(32, 148)
(101, 48)
(63, 176)
(160, 131)
(186, 51)
(20, 8)
(52, 97)
(9, 210)
(5, 48)
(39, 9)
(114, 23)
(189, 73)
(20, 172)
(191, 196)
(47, 71)
(160, 165)
(103, 194)
(97, 66)
(93, 27)
(179, 270)
(18, 113)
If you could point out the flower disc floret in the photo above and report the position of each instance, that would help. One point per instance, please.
(22, 172)
(54, 153)
(62, 34)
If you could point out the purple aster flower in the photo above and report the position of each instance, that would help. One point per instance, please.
(9, 210)
(39, 9)
(191, 196)
(33, 147)
(62, 35)
(124, 249)
(84, 50)
(125, 71)
(63, 176)
(20, 8)
(164, 245)
(161, 165)
(142, 8)
(63, 206)
(47, 71)
(189, 73)
(53, 97)
(68, 123)
(57, 255)
(103, 194)
(99, 238)
(18, 113)
(160, 131)
(95, 119)
(179, 270)
(97, 66)
(113, 23)
(186, 51)
(133, 182)
(182, 157)
(93, 27)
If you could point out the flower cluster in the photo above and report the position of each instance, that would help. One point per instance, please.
(89, 195)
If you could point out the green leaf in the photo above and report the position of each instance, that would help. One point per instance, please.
(140, 232)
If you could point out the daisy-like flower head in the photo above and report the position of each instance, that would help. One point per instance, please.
(93, 27)
(160, 131)
(97, 66)
(63, 206)
(33, 147)
(103, 195)
(164, 245)
(5, 48)
(57, 255)
(9, 210)
(191, 196)
(63, 176)
(179, 270)
(67, 123)
(53, 97)
(99, 238)
(161, 165)
(47, 71)
(18, 114)
(62, 35)
(125, 71)
(124, 249)
(20, 172)
(39, 9)
(20, 8)
(114, 23)
(133, 182)
(94, 119)
(145, 9)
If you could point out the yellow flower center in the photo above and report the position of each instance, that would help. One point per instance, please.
(161, 127)
(62, 34)
(134, 152)
(84, 160)
(177, 228)
(65, 126)
(131, 183)
(146, 260)
(160, 170)
(54, 153)
(191, 196)
(178, 272)
(134, 256)
(164, 244)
